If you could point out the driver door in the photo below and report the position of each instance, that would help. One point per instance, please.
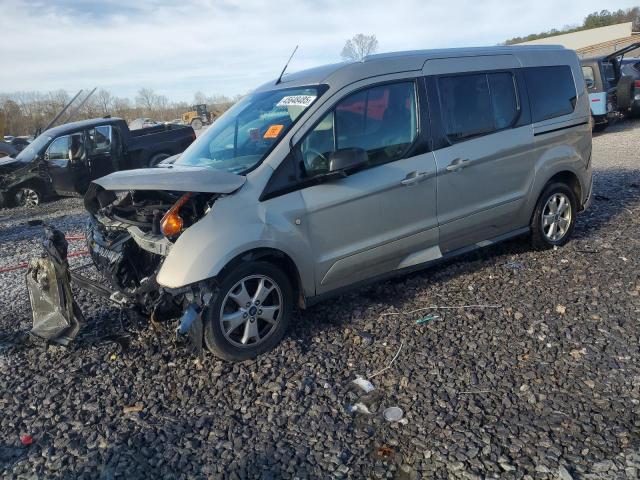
(64, 173)
(383, 217)
(100, 149)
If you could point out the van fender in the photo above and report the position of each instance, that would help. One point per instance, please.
(558, 160)
(226, 232)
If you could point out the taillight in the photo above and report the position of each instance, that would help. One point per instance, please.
(636, 84)
(172, 223)
(193, 136)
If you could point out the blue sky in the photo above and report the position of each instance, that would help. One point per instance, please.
(230, 46)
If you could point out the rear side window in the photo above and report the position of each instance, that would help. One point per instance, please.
(588, 74)
(99, 139)
(477, 104)
(552, 92)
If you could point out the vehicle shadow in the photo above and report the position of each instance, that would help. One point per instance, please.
(616, 192)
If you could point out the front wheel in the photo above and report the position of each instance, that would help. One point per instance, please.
(196, 124)
(554, 217)
(250, 312)
(28, 196)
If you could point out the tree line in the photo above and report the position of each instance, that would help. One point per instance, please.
(604, 18)
(26, 112)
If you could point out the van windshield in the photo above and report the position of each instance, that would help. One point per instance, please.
(244, 134)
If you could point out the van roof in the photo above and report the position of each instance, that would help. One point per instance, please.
(382, 63)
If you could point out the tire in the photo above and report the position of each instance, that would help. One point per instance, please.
(196, 124)
(156, 159)
(600, 127)
(29, 196)
(624, 92)
(545, 236)
(236, 343)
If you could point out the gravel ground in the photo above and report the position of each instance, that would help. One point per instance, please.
(546, 385)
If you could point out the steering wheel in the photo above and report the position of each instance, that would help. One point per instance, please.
(320, 161)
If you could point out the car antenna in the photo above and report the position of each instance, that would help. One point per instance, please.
(286, 65)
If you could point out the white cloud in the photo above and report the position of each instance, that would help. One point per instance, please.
(230, 46)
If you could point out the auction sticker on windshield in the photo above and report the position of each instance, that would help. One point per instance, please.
(273, 131)
(296, 101)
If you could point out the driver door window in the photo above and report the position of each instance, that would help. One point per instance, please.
(58, 151)
(99, 139)
(381, 120)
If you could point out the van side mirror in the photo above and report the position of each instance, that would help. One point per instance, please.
(347, 159)
(589, 82)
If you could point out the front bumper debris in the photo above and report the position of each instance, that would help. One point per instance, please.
(57, 317)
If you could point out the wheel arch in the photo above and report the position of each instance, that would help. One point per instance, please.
(570, 179)
(36, 182)
(275, 257)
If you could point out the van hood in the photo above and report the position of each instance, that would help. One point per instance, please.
(176, 178)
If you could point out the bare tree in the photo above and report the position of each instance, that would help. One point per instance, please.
(358, 47)
(27, 111)
(104, 101)
(145, 99)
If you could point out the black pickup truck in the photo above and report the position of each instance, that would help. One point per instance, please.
(65, 159)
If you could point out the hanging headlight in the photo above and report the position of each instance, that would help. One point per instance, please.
(172, 223)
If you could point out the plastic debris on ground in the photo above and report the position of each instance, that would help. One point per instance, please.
(359, 408)
(363, 384)
(514, 265)
(428, 318)
(26, 440)
(393, 414)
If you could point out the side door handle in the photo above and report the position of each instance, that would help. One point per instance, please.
(458, 164)
(413, 178)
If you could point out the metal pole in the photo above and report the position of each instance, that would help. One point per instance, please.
(62, 111)
(77, 109)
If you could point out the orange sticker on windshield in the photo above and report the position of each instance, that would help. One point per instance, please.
(273, 131)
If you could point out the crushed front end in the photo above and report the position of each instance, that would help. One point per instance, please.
(135, 217)
(130, 234)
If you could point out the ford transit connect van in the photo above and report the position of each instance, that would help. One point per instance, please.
(346, 174)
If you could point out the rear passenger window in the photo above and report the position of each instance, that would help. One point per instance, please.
(477, 104)
(552, 92)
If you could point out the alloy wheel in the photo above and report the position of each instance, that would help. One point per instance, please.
(26, 197)
(250, 310)
(556, 217)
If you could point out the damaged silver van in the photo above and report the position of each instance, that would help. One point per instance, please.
(346, 174)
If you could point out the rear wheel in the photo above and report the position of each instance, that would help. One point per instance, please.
(27, 196)
(196, 124)
(624, 91)
(554, 217)
(250, 313)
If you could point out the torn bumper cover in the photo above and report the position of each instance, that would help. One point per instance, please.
(57, 317)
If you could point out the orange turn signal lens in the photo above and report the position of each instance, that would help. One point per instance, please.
(172, 223)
